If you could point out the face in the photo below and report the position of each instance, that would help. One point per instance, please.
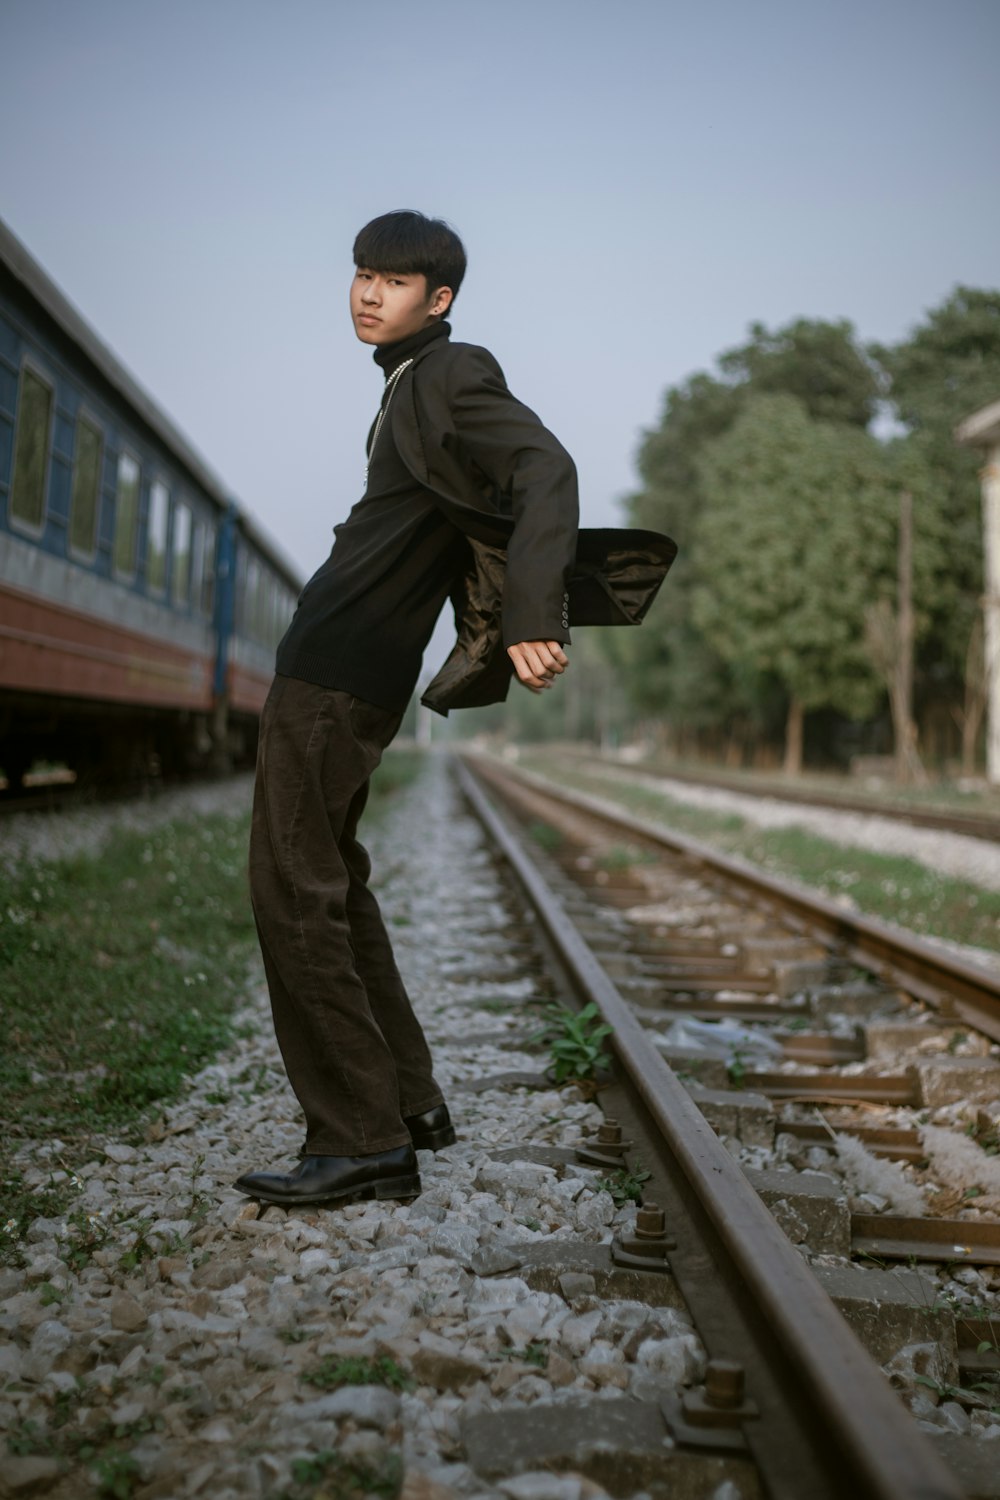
(388, 306)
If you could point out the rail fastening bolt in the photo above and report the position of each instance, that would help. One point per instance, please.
(650, 1222)
(725, 1381)
(609, 1133)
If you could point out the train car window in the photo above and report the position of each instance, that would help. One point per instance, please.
(156, 537)
(126, 513)
(86, 487)
(31, 450)
(180, 570)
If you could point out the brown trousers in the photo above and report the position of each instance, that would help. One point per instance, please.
(354, 1051)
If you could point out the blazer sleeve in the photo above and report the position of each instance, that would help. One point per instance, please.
(537, 478)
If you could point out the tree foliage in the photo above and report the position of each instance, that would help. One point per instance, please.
(785, 509)
(947, 368)
(820, 363)
(797, 537)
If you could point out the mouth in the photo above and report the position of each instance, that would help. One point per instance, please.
(368, 318)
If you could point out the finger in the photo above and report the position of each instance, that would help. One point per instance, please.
(550, 656)
(541, 660)
(528, 670)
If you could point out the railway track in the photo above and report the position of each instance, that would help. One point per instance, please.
(712, 942)
(521, 1330)
(974, 825)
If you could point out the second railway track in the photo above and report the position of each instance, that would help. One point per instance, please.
(975, 825)
(683, 952)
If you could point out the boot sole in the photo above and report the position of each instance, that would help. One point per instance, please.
(404, 1189)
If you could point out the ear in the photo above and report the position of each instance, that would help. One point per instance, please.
(441, 301)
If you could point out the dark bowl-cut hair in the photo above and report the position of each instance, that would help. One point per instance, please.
(412, 244)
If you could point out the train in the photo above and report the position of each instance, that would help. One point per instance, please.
(140, 603)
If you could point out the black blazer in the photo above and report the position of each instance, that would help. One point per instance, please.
(510, 486)
(501, 476)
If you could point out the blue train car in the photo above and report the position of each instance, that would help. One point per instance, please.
(139, 605)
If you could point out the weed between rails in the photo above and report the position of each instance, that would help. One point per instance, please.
(574, 1038)
(625, 1186)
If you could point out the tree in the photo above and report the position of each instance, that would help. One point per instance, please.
(674, 669)
(797, 538)
(820, 363)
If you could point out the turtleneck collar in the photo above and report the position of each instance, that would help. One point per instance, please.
(390, 356)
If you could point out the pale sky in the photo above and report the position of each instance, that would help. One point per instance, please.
(635, 183)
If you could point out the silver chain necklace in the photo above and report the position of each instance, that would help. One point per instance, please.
(383, 409)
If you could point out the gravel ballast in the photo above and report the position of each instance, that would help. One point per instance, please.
(190, 1338)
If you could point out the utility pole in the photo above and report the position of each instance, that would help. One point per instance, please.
(908, 767)
(982, 430)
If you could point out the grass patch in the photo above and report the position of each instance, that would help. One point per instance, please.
(119, 975)
(895, 889)
(340, 1478)
(332, 1373)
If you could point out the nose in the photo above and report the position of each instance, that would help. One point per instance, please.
(371, 291)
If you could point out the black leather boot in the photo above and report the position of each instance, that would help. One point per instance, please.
(338, 1179)
(432, 1130)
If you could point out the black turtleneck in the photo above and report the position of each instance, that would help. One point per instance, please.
(364, 618)
(390, 356)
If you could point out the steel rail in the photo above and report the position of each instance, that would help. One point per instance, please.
(872, 1440)
(899, 957)
(971, 825)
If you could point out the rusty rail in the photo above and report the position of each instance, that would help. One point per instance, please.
(966, 991)
(971, 825)
(868, 1445)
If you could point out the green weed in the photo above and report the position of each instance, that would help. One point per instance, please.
(342, 1478)
(736, 1068)
(625, 1186)
(574, 1038)
(622, 857)
(536, 1354)
(116, 1475)
(546, 837)
(331, 1373)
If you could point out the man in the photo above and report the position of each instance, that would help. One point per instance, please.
(459, 475)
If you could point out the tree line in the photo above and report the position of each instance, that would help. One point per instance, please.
(826, 599)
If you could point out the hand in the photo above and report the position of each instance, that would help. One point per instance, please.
(538, 663)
